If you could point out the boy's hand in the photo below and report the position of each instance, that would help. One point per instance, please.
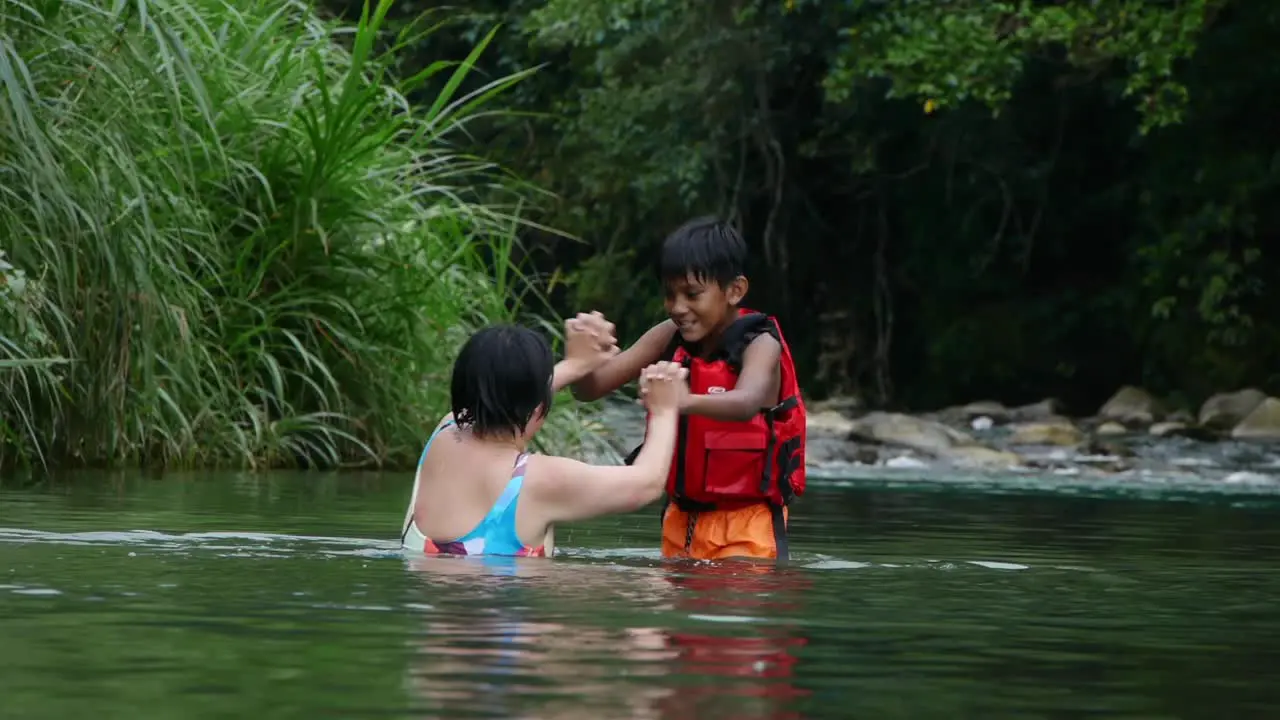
(589, 341)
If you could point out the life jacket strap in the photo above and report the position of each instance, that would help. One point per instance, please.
(780, 542)
(766, 480)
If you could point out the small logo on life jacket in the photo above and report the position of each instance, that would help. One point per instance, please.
(715, 390)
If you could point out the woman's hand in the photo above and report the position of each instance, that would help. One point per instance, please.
(664, 387)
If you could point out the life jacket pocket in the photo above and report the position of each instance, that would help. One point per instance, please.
(733, 464)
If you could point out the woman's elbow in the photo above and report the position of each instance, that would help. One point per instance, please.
(651, 493)
(640, 494)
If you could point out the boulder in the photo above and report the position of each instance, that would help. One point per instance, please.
(1261, 424)
(1132, 406)
(978, 456)
(829, 422)
(1173, 428)
(1046, 409)
(986, 408)
(1106, 447)
(1167, 429)
(846, 405)
(979, 415)
(831, 450)
(863, 455)
(907, 431)
(1224, 411)
(1110, 428)
(1053, 430)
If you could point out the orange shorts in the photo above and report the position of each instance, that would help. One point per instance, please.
(720, 534)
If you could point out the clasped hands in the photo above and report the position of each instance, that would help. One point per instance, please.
(591, 340)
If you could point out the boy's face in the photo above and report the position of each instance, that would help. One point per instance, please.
(702, 306)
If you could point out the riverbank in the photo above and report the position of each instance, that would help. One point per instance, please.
(1233, 438)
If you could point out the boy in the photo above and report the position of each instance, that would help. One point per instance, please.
(739, 455)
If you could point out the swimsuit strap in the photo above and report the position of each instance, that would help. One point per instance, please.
(413, 494)
(509, 494)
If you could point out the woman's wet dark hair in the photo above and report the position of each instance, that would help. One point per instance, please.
(501, 380)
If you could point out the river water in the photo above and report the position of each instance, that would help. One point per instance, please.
(285, 596)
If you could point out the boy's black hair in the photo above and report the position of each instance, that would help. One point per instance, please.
(501, 379)
(706, 247)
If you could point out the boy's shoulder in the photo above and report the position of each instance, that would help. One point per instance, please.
(753, 326)
(764, 344)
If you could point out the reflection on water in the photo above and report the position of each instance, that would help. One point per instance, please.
(741, 673)
(491, 653)
(287, 596)
(589, 671)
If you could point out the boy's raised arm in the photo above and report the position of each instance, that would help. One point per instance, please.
(757, 388)
(626, 365)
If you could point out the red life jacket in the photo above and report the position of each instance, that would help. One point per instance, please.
(722, 464)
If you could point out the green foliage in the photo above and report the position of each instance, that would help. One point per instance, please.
(231, 239)
(943, 200)
(946, 54)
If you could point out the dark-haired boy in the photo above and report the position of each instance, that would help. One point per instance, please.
(739, 456)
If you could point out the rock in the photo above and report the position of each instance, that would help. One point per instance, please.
(864, 455)
(1261, 424)
(828, 449)
(624, 424)
(1108, 448)
(1132, 406)
(1167, 429)
(907, 431)
(827, 441)
(978, 456)
(1181, 415)
(997, 412)
(842, 405)
(1035, 412)
(1050, 431)
(978, 415)
(828, 421)
(932, 438)
(1111, 428)
(1224, 411)
(1180, 429)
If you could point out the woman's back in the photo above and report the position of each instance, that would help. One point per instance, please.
(466, 499)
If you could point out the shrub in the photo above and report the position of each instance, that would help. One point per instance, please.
(229, 240)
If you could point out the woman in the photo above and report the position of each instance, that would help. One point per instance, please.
(478, 490)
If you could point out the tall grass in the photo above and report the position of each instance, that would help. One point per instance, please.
(226, 238)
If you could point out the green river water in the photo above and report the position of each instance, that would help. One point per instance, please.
(285, 596)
